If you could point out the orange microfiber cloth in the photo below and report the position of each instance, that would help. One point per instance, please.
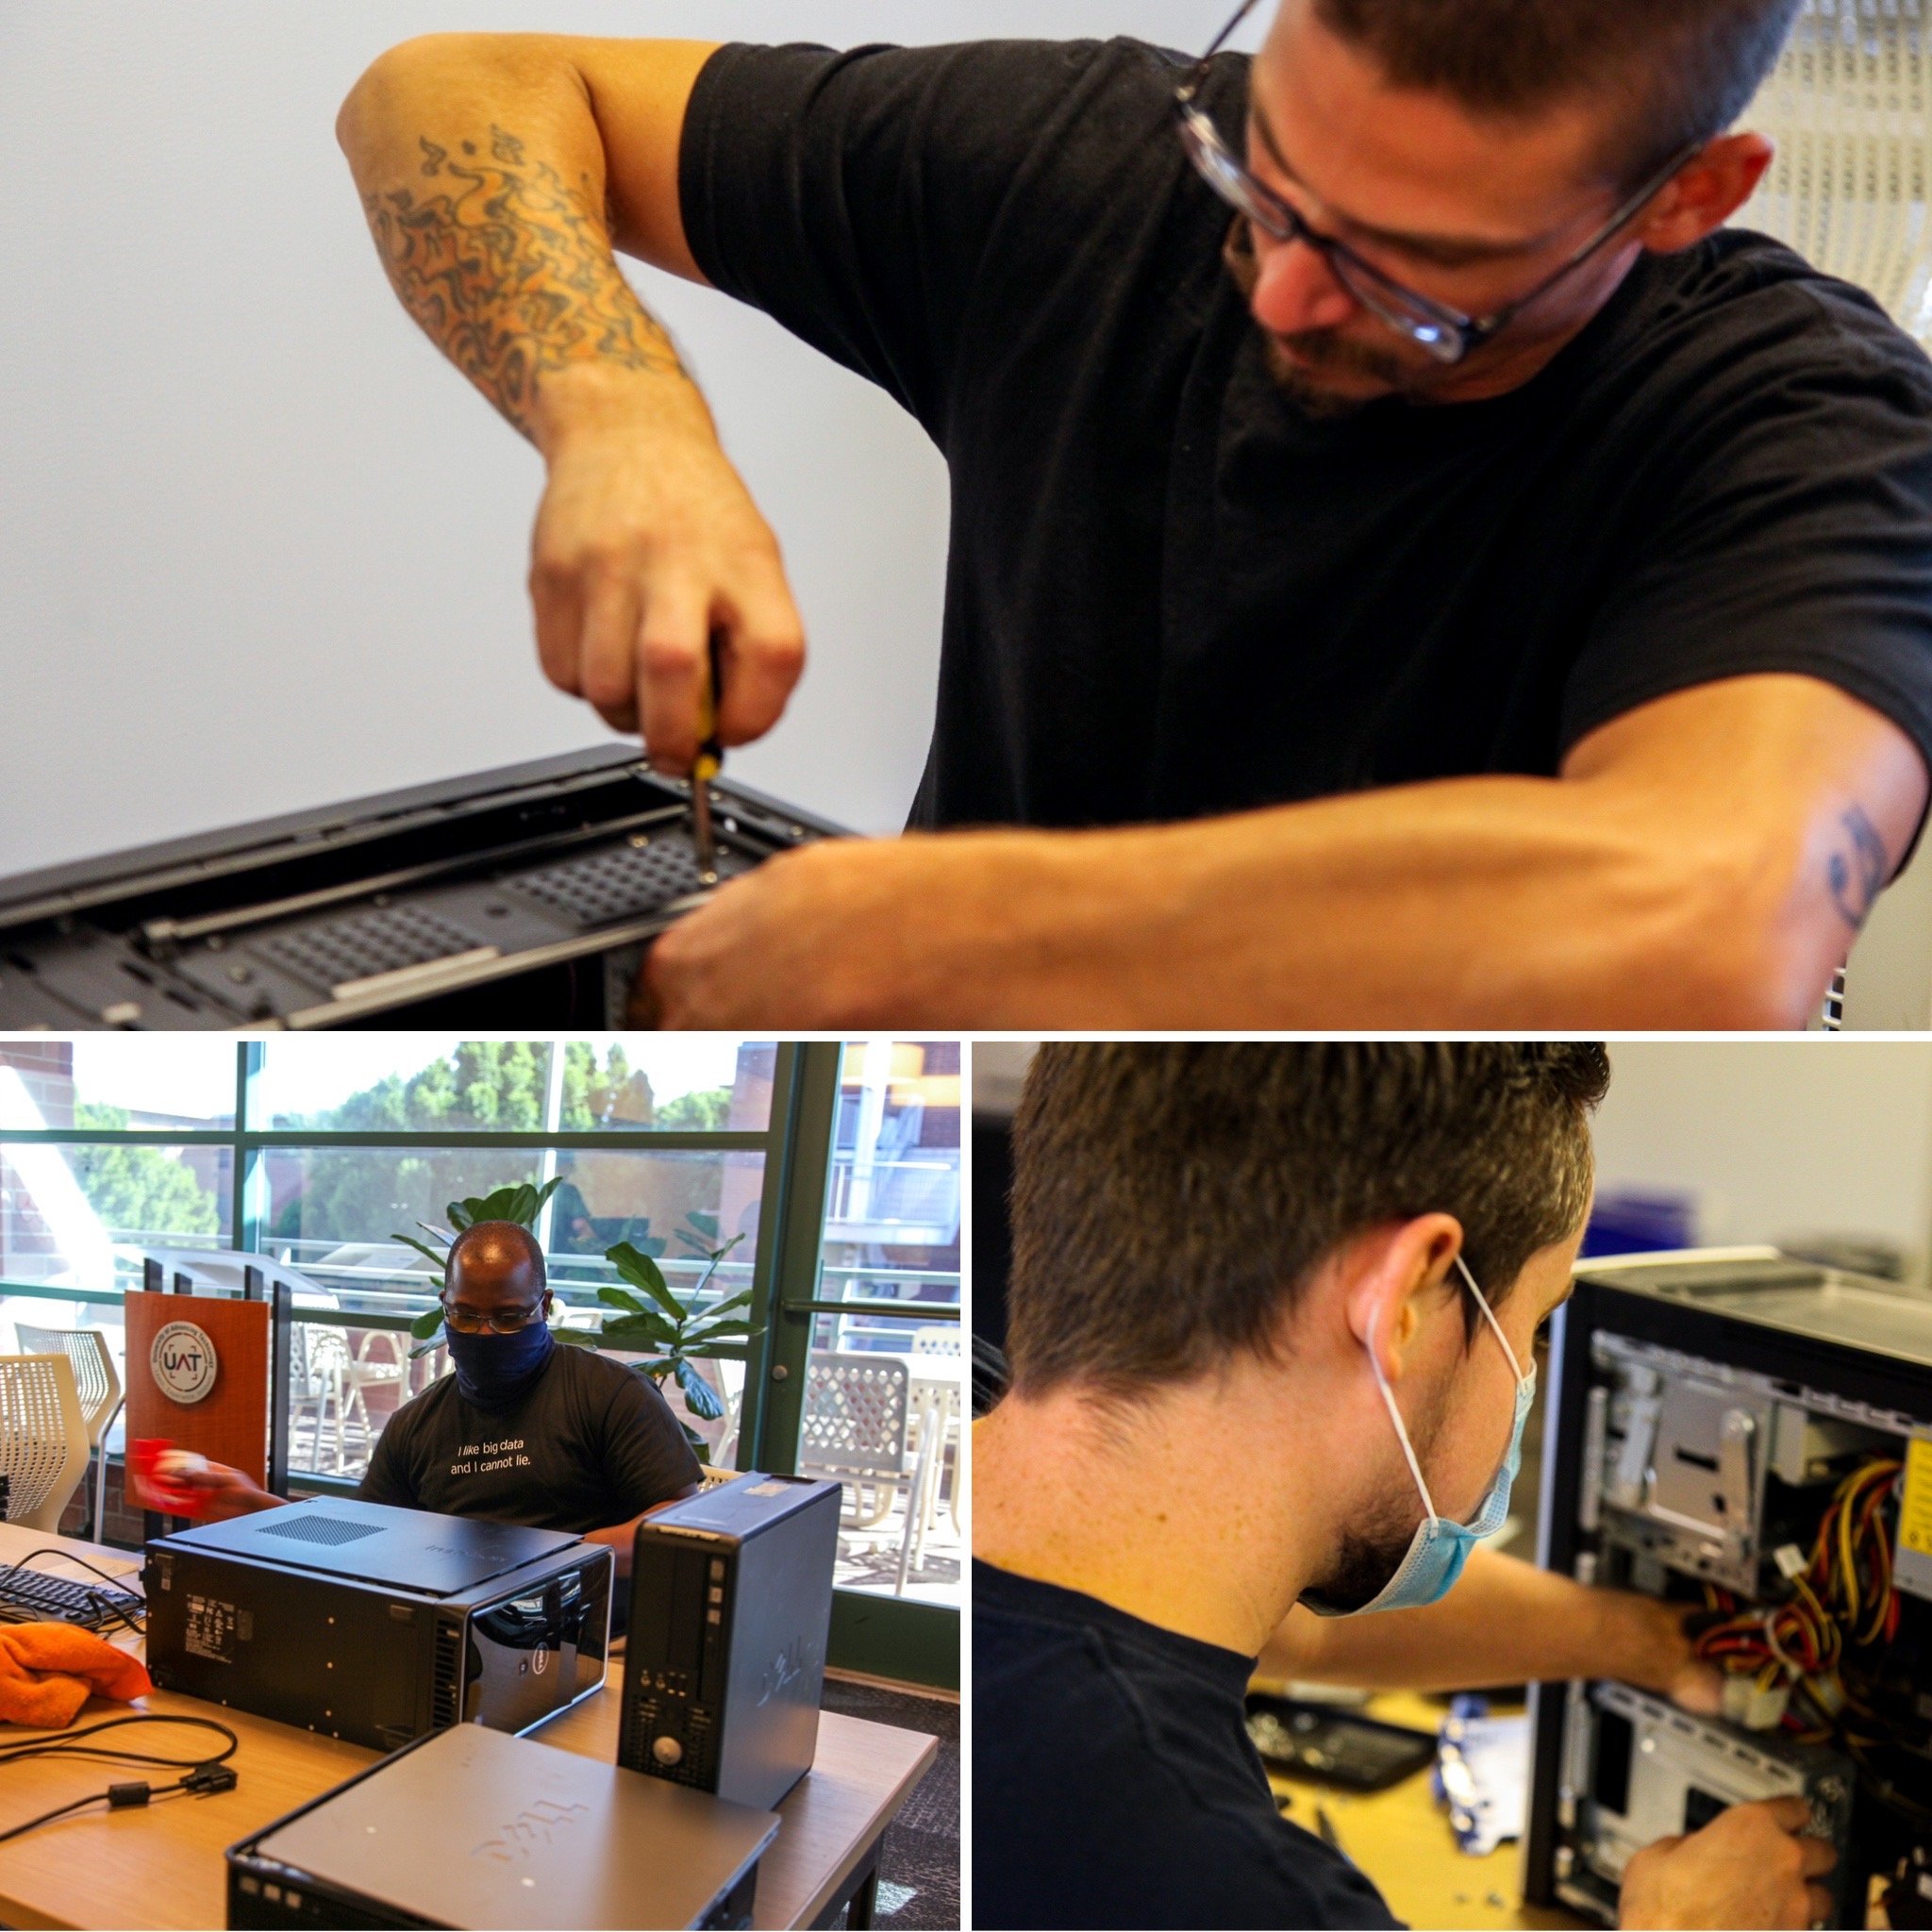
(48, 1671)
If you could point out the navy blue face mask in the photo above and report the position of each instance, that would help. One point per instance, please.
(494, 1371)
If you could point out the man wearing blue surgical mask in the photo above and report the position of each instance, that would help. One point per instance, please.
(1273, 1322)
(521, 1430)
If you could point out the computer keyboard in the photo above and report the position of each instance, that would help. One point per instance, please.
(32, 1597)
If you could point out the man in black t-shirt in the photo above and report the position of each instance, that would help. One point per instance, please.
(1273, 1308)
(1429, 572)
(524, 1430)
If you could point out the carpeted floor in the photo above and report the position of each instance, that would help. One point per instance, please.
(919, 1861)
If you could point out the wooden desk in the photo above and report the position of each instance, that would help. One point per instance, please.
(162, 1866)
(1401, 1838)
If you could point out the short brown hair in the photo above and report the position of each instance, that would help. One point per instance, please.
(1685, 69)
(1171, 1201)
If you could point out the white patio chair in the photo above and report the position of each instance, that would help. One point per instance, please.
(98, 1384)
(1850, 106)
(935, 1339)
(366, 1368)
(855, 1429)
(319, 1366)
(43, 1440)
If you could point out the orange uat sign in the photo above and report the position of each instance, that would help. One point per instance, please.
(197, 1374)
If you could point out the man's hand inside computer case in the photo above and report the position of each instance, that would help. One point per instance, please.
(1753, 1865)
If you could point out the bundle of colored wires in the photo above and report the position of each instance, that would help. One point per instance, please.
(1841, 1602)
(1851, 1563)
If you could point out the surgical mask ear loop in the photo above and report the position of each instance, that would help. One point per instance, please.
(1415, 1468)
(1488, 1316)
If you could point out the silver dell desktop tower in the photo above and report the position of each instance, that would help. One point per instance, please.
(730, 1608)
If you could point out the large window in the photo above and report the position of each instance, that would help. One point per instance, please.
(432, 1083)
(321, 1155)
(874, 1333)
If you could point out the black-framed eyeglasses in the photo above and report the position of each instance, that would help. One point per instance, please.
(466, 1323)
(1446, 333)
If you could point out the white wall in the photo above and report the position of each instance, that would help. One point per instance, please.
(259, 549)
(1778, 1137)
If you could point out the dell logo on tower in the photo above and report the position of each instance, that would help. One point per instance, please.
(785, 1670)
(183, 1362)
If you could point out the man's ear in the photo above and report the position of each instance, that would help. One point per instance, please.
(1710, 189)
(1393, 1279)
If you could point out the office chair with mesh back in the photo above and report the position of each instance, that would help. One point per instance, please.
(99, 1387)
(1850, 108)
(43, 1438)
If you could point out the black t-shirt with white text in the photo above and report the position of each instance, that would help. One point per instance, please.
(1172, 590)
(590, 1444)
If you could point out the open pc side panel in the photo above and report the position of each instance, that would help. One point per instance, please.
(511, 898)
(1750, 1437)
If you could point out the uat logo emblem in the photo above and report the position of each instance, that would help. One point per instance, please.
(183, 1362)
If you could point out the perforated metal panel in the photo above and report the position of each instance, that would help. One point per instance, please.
(622, 881)
(1850, 106)
(331, 1530)
(362, 945)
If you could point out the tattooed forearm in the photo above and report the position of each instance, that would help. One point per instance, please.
(1857, 870)
(509, 270)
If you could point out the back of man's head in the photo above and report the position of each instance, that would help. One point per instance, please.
(1674, 71)
(496, 1254)
(1170, 1203)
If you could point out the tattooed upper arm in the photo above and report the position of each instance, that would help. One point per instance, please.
(508, 268)
(1856, 868)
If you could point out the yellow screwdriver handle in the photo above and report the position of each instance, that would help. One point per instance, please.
(710, 757)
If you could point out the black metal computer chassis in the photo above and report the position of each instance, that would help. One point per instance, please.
(1797, 1360)
(478, 901)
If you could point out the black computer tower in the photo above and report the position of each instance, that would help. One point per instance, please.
(1704, 1413)
(374, 1624)
(730, 1608)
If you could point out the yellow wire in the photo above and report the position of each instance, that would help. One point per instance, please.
(1845, 1545)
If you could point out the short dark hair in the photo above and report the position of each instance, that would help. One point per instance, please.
(1171, 1202)
(1685, 69)
(485, 1235)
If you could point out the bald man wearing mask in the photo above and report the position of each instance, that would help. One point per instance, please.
(523, 1431)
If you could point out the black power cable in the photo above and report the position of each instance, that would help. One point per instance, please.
(205, 1775)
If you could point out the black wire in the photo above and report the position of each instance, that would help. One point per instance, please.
(172, 1790)
(106, 1576)
(48, 1817)
(119, 1614)
(67, 1744)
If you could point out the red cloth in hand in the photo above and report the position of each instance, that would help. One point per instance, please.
(48, 1671)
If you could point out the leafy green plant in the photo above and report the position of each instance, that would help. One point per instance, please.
(651, 1317)
(521, 1203)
